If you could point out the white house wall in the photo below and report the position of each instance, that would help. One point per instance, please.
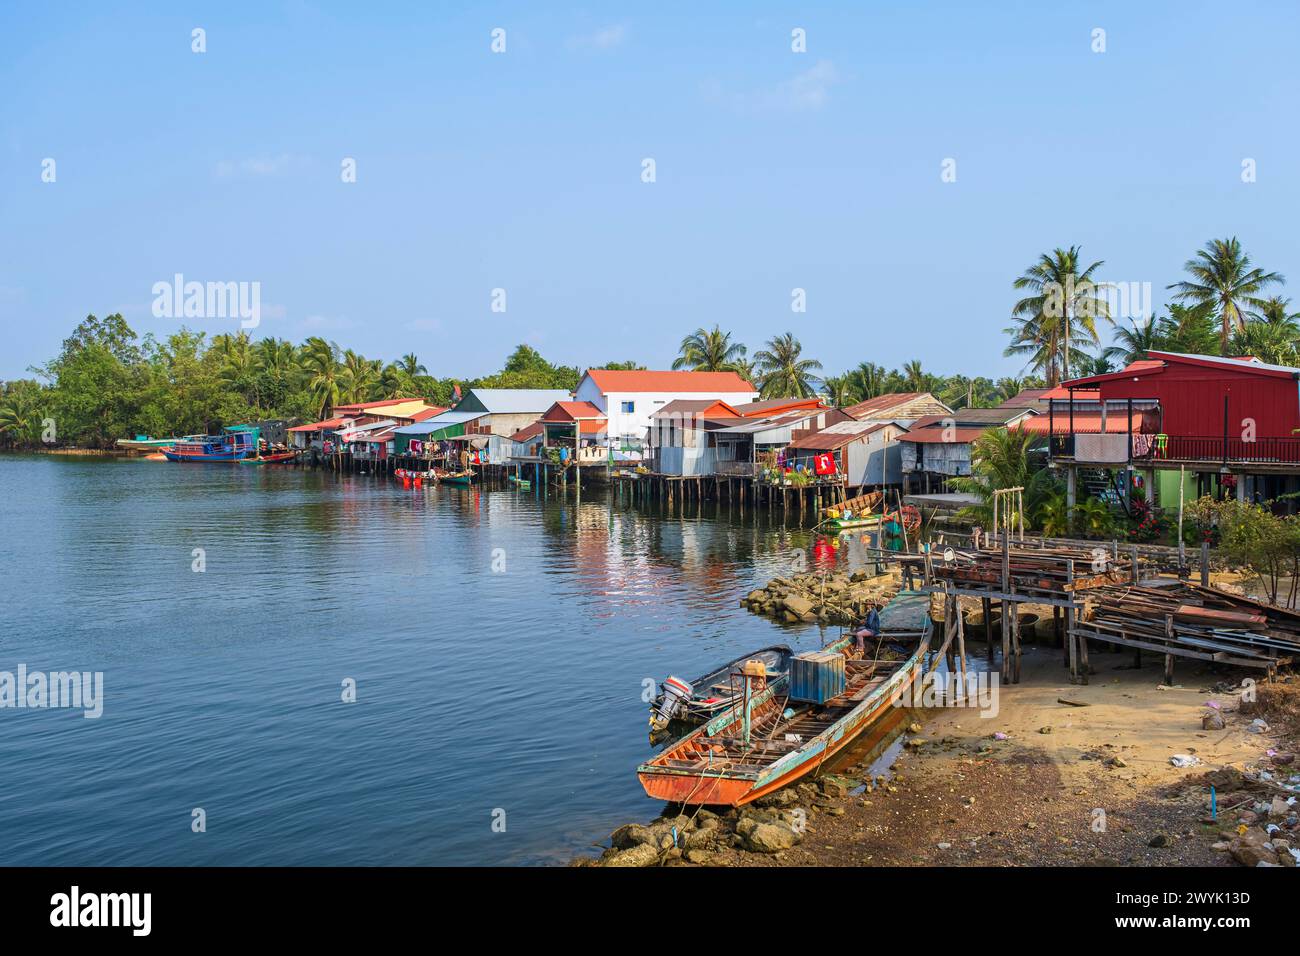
(635, 424)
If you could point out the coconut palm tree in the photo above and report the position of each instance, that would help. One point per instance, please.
(783, 373)
(869, 379)
(1276, 310)
(838, 390)
(410, 364)
(360, 379)
(275, 358)
(1060, 314)
(1000, 459)
(1223, 280)
(915, 379)
(709, 351)
(320, 363)
(1133, 344)
(1187, 329)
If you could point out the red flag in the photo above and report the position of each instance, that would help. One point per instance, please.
(824, 464)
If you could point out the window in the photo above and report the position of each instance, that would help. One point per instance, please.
(628, 408)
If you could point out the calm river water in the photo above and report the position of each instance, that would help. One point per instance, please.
(498, 640)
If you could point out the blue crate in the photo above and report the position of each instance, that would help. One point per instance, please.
(816, 677)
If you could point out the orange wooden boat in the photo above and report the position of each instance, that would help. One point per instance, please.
(768, 741)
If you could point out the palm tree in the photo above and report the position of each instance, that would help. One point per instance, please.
(320, 363)
(360, 379)
(1275, 310)
(1059, 316)
(1223, 280)
(869, 379)
(1266, 341)
(709, 351)
(745, 369)
(410, 364)
(1133, 344)
(1187, 329)
(782, 373)
(914, 379)
(275, 358)
(839, 390)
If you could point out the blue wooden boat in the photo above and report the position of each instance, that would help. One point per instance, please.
(233, 444)
(769, 739)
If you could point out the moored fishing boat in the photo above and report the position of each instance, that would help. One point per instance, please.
(784, 729)
(275, 458)
(858, 512)
(233, 444)
(707, 696)
(459, 478)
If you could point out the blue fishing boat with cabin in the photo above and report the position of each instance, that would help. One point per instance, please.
(233, 444)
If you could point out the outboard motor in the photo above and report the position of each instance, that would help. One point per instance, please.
(674, 695)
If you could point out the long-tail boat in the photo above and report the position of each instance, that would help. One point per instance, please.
(858, 512)
(770, 739)
(696, 701)
(274, 458)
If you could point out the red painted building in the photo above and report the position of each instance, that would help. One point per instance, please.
(1233, 422)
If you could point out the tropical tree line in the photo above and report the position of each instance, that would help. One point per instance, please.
(108, 383)
(1222, 307)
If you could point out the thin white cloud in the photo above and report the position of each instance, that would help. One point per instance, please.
(606, 38)
(804, 92)
(254, 166)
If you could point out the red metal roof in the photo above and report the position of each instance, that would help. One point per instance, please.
(426, 413)
(319, 426)
(643, 380)
(701, 407)
(563, 413)
(1085, 423)
(527, 432)
(774, 406)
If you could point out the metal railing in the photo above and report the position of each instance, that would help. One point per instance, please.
(1282, 451)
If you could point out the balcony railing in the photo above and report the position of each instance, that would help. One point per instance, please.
(1280, 451)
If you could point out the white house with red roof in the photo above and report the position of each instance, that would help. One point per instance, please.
(628, 398)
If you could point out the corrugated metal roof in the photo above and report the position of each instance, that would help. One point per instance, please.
(517, 401)
(774, 405)
(881, 406)
(319, 426)
(752, 425)
(564, 412)
(1086, 423)
(839, 435)
(439, 422)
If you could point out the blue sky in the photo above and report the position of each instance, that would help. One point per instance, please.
(775, 170)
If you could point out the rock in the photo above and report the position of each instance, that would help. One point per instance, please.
(629, 835)
(1258, 726)
(1212, 721)
(916, 742)
(699, 857)
(913, 728)
(1226, 779)
(1044, 730)
(641, 855)
(1158, 841)
(781, 798)
(798, 606)
(1278, 810)
(770, 838)
(1249, 855)
(697, 839)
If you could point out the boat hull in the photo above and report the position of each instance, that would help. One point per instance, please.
(218, 456)
(720, 790)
